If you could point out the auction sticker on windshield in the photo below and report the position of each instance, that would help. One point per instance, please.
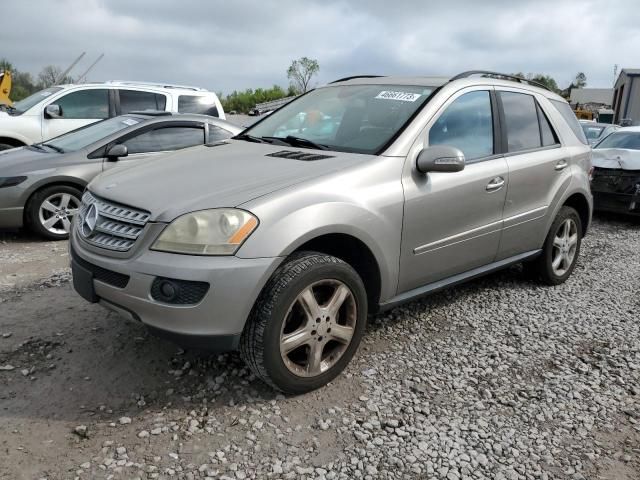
(401, 96)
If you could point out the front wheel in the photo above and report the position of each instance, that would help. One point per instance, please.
(561, 248)
(307, 323)
(51, 210)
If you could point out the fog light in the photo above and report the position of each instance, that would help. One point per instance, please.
(168, 290)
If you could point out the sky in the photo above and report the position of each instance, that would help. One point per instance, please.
(234, 45)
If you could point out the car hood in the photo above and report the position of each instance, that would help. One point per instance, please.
(622, 158)
(23, 160)
(225, 175)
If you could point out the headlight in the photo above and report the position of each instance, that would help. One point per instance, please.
(11, 181)
(208, 232)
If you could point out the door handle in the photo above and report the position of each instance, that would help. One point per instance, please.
(561, 165)
(495, 184)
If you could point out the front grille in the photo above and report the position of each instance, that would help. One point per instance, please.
(115, 279)
(186, 292)
(110, 225)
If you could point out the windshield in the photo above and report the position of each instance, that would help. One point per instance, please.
(592, 132)
(628, 140)
(78, 139)
(349, 118)
(26, 103)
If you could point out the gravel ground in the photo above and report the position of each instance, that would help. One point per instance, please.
(497, 379)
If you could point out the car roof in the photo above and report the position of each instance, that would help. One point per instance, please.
(466, 79)
(162, 116)
(135, 84)
(629, 129)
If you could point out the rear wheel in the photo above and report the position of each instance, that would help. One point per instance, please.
(307, 323)
(51, 210)
(561, 248)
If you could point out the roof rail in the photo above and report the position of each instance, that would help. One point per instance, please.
(355, 76)
(156, 84)
(506, 76)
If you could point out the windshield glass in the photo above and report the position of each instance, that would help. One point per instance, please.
(72, 141)
(592, 132)
(629, 140)
(26, 103)
(349, 118)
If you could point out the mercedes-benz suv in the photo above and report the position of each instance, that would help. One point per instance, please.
(355, 197)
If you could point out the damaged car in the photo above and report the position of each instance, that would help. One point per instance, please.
(615, 182)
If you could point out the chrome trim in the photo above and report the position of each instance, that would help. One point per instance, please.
(459, 237)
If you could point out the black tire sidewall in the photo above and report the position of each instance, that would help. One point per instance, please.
(273, 363)
(33, 207)
(547, 256)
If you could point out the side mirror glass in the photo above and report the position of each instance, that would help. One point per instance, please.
(440, 158)
(53, 111)
(116, 152)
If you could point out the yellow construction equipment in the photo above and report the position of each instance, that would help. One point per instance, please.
(5, 88)
(584, 114)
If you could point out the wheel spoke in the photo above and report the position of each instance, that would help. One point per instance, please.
(557, 242)
(64, 203)
(338, 298)
(66, 224)
(293, 340)
(557, 261)
(573, 239)
(341, 333)
(48, 206)
(50, 222)
(565, 230)
(310, 305)
(315, 358)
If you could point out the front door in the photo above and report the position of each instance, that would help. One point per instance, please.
(453, 221)
(78, 109)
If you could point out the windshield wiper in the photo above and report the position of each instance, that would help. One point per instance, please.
(249, 138)
(54, 147)
(36, 146)
(299, 142)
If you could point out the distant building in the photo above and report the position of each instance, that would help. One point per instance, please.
(600, 97)
(626, 100)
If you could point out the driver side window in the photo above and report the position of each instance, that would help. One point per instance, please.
(466, 124)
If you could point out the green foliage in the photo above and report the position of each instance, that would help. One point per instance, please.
(242, 102)
(300, 73)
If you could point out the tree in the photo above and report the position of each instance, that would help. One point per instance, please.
(48, 76)
(301, 72)
(6, 65)
(580, 81)
(547, 81)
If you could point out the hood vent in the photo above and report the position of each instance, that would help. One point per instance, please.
(307, 157)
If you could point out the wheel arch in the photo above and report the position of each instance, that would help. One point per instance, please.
(37, 187)
(579, 202)
(15, 142)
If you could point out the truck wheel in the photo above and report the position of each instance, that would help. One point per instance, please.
(50, 211)
(561, 249)
(307, 323)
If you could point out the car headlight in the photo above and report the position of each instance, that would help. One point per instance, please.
(220, 231)
(11, 181)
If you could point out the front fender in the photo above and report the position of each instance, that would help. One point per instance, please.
(15, 136)
(379, 232)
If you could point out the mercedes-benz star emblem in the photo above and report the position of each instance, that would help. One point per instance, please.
(90, 221)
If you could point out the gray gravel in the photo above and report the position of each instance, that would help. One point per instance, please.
(497, 379)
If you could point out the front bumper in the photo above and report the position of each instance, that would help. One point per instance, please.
(616, 190)
(214, 322)
(11, 207)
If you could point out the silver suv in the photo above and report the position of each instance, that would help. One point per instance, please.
(354, 198)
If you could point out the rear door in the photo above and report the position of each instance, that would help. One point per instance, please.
(452, 221)
(156, 140)
(538, 173)
(136, 100)
(79, 108)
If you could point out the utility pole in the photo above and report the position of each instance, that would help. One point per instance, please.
(82, 78)
(61, 77)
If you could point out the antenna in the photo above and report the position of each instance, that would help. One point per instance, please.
(64, 74)
(82, 78)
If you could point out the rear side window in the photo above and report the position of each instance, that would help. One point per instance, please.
(132, 100)
(546, 130)
(197, 104)
(521, 121)
(565, 110)
(166, 139)
(85, 104)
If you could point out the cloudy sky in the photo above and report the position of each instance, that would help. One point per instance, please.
(227, 45)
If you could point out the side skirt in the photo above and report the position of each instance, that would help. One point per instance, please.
(456, 279)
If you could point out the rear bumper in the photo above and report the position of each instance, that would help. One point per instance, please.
(216, 319)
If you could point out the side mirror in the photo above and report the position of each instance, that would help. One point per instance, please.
(117, 151)
(53, 111)
(440, 158)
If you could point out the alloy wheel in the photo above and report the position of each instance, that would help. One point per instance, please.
(57, 211)
(565, 244)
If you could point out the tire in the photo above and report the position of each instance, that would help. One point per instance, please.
(542, 268)
(279, 317)
(6, 146)
(40, 208)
